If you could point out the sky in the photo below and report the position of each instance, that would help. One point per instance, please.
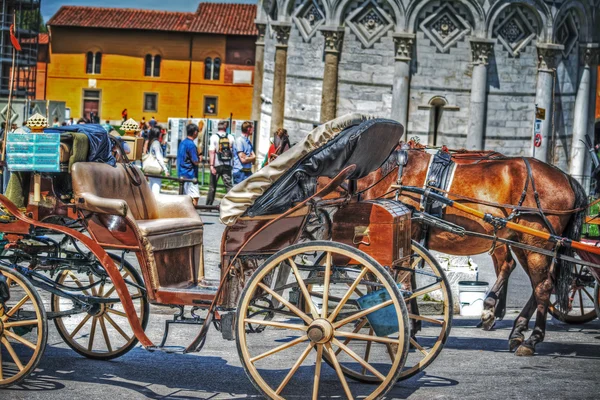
(49, 7)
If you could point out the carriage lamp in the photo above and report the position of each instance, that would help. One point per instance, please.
(131, 128)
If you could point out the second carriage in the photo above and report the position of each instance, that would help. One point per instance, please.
(288, 300)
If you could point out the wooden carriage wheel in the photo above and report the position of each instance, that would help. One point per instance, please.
(23, 329)
(428, 333)
(313, 314)
(584, 297)
(102, 333)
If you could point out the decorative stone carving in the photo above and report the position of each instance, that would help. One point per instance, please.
(481, 50)
(567, 33)
(308, 18)
(14, 116)
(548, 55)
(515, 31)
(369, 22)
(262, 29)
(404, 43)
(333, 39)
(590, 54)
(281, 32)
(445, 27)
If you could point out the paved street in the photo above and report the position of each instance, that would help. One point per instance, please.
(475, 364)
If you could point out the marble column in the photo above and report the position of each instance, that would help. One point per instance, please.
(480, 52)
(589, 52)
(403, 49)
(259, 61)
(334, 37)
(282, 34)
(548, 58)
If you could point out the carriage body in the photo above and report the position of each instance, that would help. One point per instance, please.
(267, 218)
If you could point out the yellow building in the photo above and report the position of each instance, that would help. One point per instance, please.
(153, 63)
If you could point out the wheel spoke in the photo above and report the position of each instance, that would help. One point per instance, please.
(338, 370)
(117, 327)
(109, 292)
(360, 336)
(588, 294)
(279, 348)
(12, 353)
(356, 330)
(26, 322)
(14, 309)
(92, 334)
(313, 310)
(92, 283)
(78, 327)
(419, 347)
(423, 291)
(581, 302)
(116, 312)
(359, 359)
(326, 280)
(77, 282)
(286, 303)
(347, 295)
(295, 367)
(427, 319)
(1, 371)
(362, 313)
(276, 324)
(367, 351)
(315, 395)
(105, 334)
(20, 339)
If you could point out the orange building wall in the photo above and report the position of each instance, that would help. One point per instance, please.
(122, 82)
(598, 98)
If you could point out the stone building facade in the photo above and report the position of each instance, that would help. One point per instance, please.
(461, 73)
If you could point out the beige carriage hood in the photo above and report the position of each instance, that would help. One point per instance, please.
(244, 194)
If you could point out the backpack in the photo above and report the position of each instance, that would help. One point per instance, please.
(224, 151)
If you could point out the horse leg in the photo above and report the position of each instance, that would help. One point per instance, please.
(495, 302)
(516, 337)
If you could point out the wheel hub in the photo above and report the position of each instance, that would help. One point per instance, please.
(320, 331)
(97, 310)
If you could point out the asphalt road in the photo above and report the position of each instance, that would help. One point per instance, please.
(474, 365)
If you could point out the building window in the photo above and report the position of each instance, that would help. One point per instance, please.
(93, 62)
(212, 69)
(150, 102)
(211, 105)
(437, 108)
(152, 65)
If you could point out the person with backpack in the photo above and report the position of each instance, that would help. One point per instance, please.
(220, 153)
(187, 162)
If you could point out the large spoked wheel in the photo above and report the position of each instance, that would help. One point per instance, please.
(23, 329)
(103, 331)
(583, 296)
(309, 304)
(429, 311)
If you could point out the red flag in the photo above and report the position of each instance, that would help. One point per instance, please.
(13, 38)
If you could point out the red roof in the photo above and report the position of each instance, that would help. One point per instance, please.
(217, 18)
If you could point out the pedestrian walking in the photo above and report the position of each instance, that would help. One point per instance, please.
(152, 122)
(244, 156)
(155, 151)
(220, 153)
(124, 114)
(187, 162)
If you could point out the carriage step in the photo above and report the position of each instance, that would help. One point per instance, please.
(167, 349)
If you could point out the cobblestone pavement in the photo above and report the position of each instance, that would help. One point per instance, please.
(474, 365)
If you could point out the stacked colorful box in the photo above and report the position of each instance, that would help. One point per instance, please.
(33, 152)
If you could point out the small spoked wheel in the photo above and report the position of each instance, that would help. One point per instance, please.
(321, 301)
(23, 328)
(583, 298)
(101, 330)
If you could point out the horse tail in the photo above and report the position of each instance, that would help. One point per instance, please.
(564, 275)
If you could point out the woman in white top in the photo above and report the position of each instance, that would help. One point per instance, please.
(155, 151)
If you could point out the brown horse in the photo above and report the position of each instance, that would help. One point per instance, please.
(500, 181)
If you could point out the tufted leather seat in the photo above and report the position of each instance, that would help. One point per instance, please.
(168, 226)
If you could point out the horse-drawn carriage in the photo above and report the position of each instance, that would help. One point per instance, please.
(286, 299)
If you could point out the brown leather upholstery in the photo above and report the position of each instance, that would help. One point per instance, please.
(168, 226)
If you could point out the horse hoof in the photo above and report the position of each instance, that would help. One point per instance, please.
(514, 343)
(525, 351)
(487, 320)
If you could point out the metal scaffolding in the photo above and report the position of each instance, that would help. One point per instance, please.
(28, 18)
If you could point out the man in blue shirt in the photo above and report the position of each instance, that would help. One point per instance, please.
(187, 162)
(244, 155)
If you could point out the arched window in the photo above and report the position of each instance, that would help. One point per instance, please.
(208, 68)
(437, 108)
(216, 75)
(152, 65)
(93, 62)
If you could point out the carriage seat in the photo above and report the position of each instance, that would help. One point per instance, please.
(167, 221)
